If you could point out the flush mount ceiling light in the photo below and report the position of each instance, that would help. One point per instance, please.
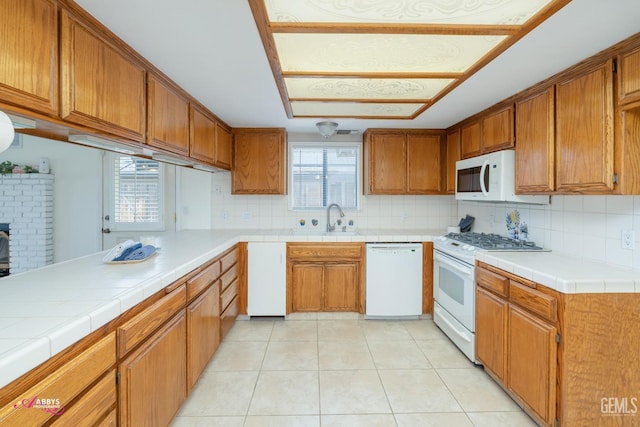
(385, 59)
(327, 129)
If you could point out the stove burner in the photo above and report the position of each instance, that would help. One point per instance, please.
(493, 242)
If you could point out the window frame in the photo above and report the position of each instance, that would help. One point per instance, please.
(159, 225)
(324, 145)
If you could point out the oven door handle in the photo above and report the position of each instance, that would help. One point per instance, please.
(464, 270)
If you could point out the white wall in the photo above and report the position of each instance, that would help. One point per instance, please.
(193, 199)
(588, 227)
(77, 192)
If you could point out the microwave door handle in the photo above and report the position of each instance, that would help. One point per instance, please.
(483, 170)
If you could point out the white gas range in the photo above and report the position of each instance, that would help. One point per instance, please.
(454, 282)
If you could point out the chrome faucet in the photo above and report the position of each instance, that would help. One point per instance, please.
(329, 226)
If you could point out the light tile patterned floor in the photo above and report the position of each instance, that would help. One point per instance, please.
(334, 369)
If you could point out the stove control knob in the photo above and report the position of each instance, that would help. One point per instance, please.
(468, 247)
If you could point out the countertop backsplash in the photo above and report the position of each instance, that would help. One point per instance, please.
(586, 227)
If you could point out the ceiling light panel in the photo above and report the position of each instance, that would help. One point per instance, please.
(353, 109)
(381, 53)
(479, 12)
(369, 89)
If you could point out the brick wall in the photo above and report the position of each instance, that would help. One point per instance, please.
(26, 204)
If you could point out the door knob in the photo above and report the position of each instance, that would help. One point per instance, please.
(106, 230)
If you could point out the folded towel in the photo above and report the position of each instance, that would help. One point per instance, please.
(128, 251)
(117, 250)
(141, 253)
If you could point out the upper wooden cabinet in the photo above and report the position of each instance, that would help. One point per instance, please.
(223, 147)
(489, 133)
(471, 140)
(168, 116)
(629, 77)
(209, 141)
(453, 155)
(585, 131)
(29, 40)
(259, 161)
(101, 86)
(535, 133)
(403, 162)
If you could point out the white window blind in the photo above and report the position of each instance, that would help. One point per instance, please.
(321, 175)
(137, 194)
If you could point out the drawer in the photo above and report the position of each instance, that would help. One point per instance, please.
(324, 251)
(140, 327)
(64, 384)
(533, 300)
(93, 406)
(228, 278)
(229, 259)
(228, 294)
(491, 281)
(202, 280)
(227, 317)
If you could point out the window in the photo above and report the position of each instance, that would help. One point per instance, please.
(321, 175)
(137, 193)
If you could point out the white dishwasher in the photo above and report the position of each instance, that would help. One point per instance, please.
(267, 284)
(393, 280)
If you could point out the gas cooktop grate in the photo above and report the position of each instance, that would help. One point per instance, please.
(491, 241)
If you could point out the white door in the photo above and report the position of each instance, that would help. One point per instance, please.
(138, 198)
(266, 279)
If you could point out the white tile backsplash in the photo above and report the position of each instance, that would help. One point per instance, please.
(588, 227)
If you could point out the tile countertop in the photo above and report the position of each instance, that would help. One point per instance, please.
(46, 310)
(565, 273)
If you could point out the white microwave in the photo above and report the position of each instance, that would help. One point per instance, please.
(491, 178)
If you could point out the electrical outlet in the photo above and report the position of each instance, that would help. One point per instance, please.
(628, 239)
(218, 188)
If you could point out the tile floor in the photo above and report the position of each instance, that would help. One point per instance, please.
(341, 370)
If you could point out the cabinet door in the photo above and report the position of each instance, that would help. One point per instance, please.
(29, 40)
(168, 117)
(453, 155)
(153, 379)
(470, 140)
(202, 135)
(203, 332)
(259, 161)
(585, 132)
(341, 287)
(387, 163)
(497, 130)
(101, 87)
(629, 75)
(306, 287)
(532, 362)
(223, 148)
(491, 332)
(535, 137)
(424, 161)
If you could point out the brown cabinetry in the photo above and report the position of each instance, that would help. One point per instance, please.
(516, 328)
(223, 147)
(585, 131)
(101, 86)
(230, 282)
(325, 277)
(29, 40)
(203, 332)
(535, 133)
(492, 132)
(168, 116)
(259, 161)
(453, 155)
(403, 162)
(209, 141)
(629, 78)
(153, 378)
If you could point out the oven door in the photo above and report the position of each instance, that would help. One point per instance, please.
(454, 288)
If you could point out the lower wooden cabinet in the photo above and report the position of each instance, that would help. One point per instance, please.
(153, 378)
(325, 277)
(96, 407)
(203, 332)
(532, 362)
(491, 332)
